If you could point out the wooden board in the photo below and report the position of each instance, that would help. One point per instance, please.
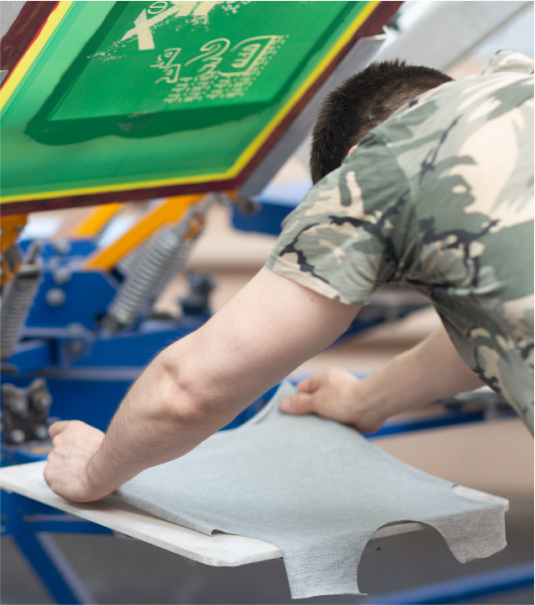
(221, 550)
(112, 101)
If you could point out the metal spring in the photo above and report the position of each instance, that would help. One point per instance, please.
(16, 301)
(175, 266)
(129, 263)
(162, 258)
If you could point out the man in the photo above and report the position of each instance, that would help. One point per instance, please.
(438, 196)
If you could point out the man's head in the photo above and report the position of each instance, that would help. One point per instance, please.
(361, 103)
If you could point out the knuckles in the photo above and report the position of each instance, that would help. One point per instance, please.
(51, 458)
(49, 476)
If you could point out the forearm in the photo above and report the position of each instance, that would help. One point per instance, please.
(156, 422)
(186, 394)
(200, 383)
(425, 373)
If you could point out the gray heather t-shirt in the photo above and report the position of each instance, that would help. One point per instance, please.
(316, 489)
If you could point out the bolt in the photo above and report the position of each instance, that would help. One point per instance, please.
(18, 404)
(41, 401)
(76, 346)
(40, 432)
(37, 385)
(17, 436)
(62, 275)
(76, 329)
(55, 297)
(39, 396)
(61, 246)
(111, 325)
(8, 390)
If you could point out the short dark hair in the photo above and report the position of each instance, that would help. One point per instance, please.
(361, 103)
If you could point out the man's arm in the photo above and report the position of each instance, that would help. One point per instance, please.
(197, 385)
(428, 371)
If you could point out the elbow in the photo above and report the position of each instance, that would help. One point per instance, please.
(185, 396)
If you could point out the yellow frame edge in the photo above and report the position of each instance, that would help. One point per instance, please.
(55, 20)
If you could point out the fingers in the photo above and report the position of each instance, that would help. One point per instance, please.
(57, 428)
(309, 385)
(46, 475)
(49, 470)
(321, 379)
(297, 404)
(305, 402)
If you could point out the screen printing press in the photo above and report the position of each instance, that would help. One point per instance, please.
(78, 321)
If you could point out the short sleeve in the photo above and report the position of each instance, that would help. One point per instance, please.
(355, 230)
(508, 61)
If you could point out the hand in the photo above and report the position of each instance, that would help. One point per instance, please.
(67, 472)
(336, 395)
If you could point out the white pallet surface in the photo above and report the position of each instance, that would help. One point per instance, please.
(218, 550)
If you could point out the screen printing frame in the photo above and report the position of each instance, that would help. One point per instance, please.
(37, 22)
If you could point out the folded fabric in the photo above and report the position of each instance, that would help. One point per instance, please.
(316, 489)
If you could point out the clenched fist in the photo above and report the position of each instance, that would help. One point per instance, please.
(67, 472)
(336, 395)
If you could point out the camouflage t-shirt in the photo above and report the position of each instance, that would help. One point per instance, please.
(440, 196)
